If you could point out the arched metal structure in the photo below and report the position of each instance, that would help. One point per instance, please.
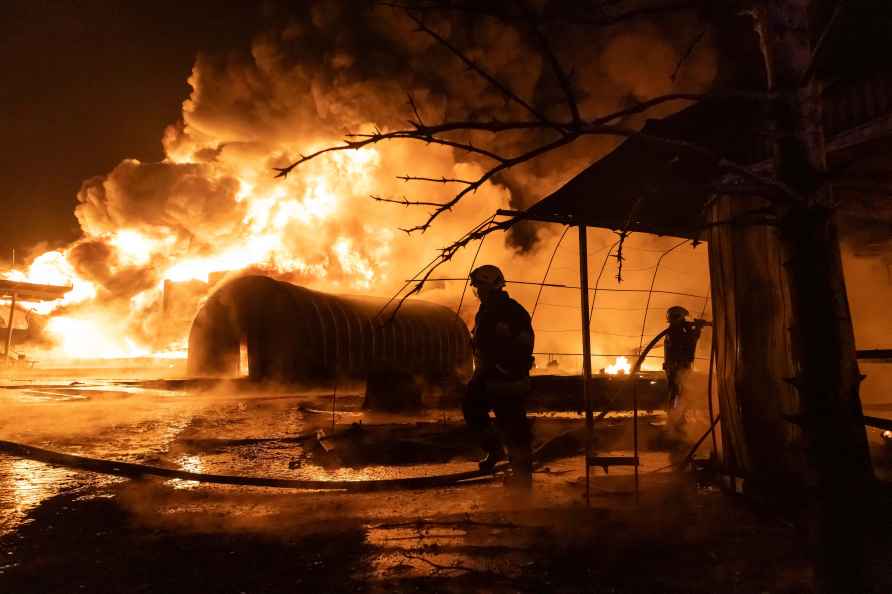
(297, 335)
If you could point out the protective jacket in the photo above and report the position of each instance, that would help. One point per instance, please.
(680, 344)
(503, 339)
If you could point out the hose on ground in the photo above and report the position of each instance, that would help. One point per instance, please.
(134, 470)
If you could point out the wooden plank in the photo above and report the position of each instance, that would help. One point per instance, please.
(875, 355)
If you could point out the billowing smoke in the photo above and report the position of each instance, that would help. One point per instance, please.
(322, 70)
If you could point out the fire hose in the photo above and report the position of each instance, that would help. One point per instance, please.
(136, 471)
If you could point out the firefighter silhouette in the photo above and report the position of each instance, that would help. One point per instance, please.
(678, 351)
(503, 347)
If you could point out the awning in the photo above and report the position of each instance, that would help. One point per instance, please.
(653, 186)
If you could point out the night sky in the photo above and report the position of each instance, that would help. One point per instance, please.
(86, 84)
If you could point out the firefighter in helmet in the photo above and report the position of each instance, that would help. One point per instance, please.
(678, 350)
(503, 355)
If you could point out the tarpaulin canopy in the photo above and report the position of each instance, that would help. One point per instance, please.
(658, 180)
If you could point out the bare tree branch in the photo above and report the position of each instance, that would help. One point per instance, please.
(446, 254)
(426, 138)
(473, 187)
(429, 133)
(403, 201)
(545, 48)
(368, 139)
(568, 132)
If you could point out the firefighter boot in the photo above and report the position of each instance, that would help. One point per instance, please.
(495, 453)
(521, 477)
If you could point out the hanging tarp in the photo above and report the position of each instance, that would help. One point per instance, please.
(751, 334)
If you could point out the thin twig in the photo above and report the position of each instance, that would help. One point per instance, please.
(477, 232)
(548, 53)
(687, 53)
(623, 234)
(439, 180)
(619, 254)
(403, 201)
(471, 64)
(415, 110)
(528, 156)
(821, 43)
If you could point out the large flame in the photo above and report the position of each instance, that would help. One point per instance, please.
(137, 284)
(158, 236)
(619, 367)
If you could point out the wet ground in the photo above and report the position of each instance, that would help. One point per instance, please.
(67, 531)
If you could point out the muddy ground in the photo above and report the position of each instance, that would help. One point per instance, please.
(65, 531)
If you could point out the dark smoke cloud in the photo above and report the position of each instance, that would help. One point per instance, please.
(189, 199)
(333, 67)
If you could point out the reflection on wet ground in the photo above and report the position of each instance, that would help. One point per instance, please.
(444, 547)
(264, 434)
(211, 431)
(207, 432)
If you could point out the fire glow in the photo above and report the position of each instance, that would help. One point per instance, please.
(619, 367)
(81, 327)
(213, 208)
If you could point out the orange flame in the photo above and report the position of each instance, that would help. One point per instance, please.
(619, 367)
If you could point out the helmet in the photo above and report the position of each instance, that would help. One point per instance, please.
(487, 277)
(677, 311)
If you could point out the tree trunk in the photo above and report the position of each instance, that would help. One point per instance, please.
(823, 346)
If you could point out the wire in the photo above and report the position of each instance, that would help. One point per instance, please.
(471, 269)
(547, 269)
(651, 291)
(600, 308)
(591, 311)
(592, 332)
(433, 262)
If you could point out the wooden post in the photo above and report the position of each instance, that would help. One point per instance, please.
(586, 356)
(9, 328)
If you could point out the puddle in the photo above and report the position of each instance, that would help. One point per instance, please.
(24, 484)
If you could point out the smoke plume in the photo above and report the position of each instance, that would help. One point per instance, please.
(323, 69)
